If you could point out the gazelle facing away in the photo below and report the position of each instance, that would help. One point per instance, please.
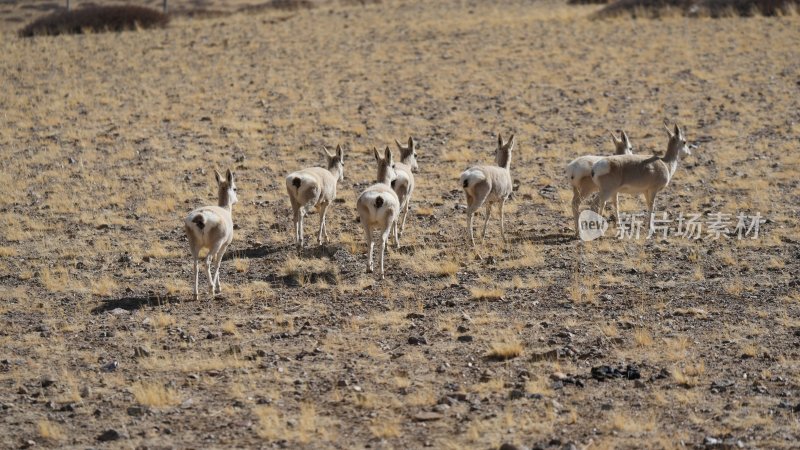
(211, 228)
(490, 185)
(639, 174)
(378, 207)
(315, 187)
(404, 184)
(579, 173)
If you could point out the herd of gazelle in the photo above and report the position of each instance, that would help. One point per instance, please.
(380, 206)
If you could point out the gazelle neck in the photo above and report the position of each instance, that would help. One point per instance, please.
(383, 175)
(224, 200)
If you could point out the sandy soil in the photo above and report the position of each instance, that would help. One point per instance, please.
(108, 140)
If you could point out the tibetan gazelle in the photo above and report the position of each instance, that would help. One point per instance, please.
(490, 185)
(639, 174)
(211, 228)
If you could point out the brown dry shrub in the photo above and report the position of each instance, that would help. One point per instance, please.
(95, 19)
(701, 8)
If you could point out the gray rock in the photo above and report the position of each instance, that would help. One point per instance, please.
(136, 411)
(110, 435)
(427, 416)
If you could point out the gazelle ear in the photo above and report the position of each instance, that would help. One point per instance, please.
(326, 153)
(677, 130)
(217, 176)
(510, 143)
(229, 176)
(625, 138)
(499, 140)
(614, 138)
(666, 126)
(340, 152)
(399, 145)
(410, 143)
(388, 155)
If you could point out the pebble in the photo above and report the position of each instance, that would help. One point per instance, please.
(119, 312)
(465, 338)
(427, 416)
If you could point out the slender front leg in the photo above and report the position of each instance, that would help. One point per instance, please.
(322, 221)
(616, 206)
(300, 228)
(576, 204)
(325, 228)
(503, 220)
(208, 270)
(296, 219)
(368, 235)
(196, 277)
(486, 222)
(396, 240)
(651, 206)
(384, 242)
(405, 214)
(470, 215)
(220, 254)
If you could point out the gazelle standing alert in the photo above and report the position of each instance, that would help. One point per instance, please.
(315, 187)
(490, 185)
(379, 208)
(403, 185)
(211, 228)
(579, 172)
(639, 174)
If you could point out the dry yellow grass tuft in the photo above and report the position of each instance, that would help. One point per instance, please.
(506, 349)
(155, 395)
(50, 431)
(486, 293)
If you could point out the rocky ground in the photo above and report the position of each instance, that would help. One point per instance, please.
(108, 140)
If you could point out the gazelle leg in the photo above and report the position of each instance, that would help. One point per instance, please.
(576, 204)
(486, 222)
(503, 220)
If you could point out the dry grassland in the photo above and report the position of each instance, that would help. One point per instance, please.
(108, 140)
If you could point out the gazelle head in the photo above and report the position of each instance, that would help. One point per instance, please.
(622, 144)
(386, 173)
(503, 154)
(677, 142)
(408, 154)
(226, 188)
(335, 161)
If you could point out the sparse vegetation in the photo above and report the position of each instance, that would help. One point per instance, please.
(95, 19)
(109, 140)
